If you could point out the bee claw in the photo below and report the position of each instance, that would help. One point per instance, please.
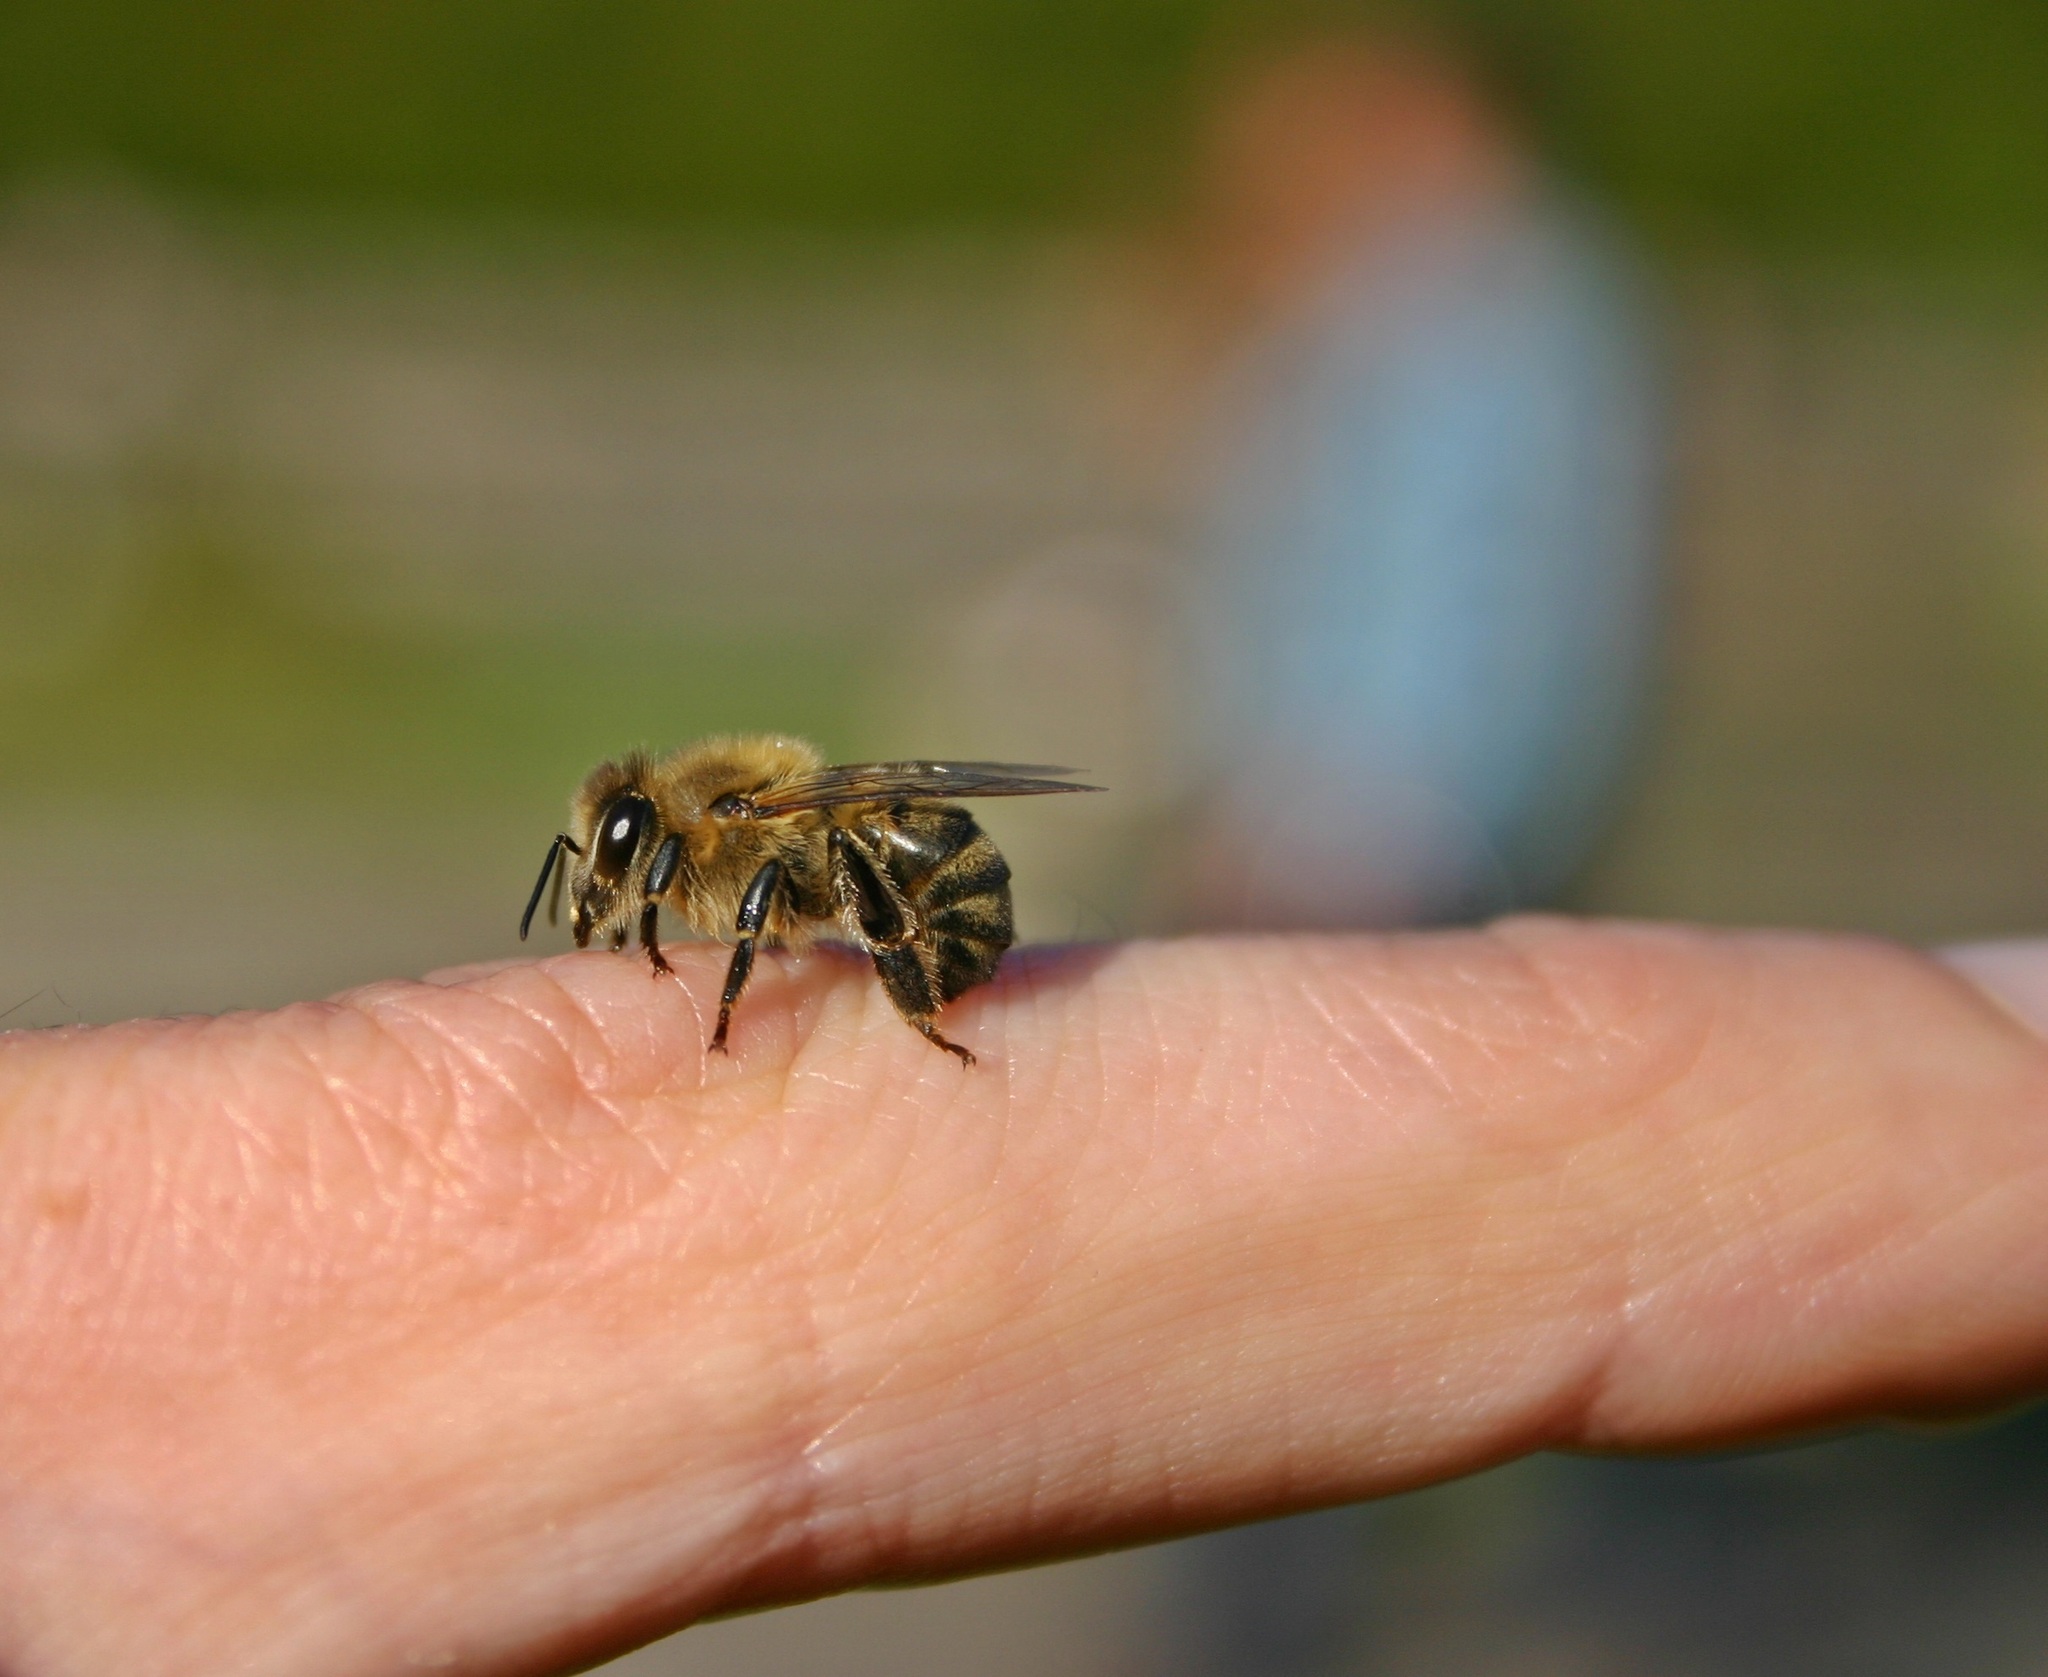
(930, 1033)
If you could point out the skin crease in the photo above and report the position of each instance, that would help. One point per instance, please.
(491, 1325)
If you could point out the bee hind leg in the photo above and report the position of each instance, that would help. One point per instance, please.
(909, 989)
(887, 930)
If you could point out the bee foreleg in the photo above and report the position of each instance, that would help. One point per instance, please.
(661, 874)
(752, 917)
(649, 916)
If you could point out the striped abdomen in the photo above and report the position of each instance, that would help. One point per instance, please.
(956, 885)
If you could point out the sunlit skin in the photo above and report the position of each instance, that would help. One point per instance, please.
(492, 1324)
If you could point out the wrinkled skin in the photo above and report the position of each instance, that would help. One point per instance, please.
(491, 1325)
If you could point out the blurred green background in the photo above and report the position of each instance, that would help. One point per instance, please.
(1904, 127)
(1844, 203)
(248, 249)
(404, 405)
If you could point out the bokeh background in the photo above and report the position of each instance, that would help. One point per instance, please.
(404, 406)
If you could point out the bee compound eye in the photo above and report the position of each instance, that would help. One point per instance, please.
(618, 837)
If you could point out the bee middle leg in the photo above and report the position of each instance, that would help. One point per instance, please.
(752, 917)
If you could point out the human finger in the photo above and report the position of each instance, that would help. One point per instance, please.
(496, 1324)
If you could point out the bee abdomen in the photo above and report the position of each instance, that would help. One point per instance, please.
(974, 872)
(957, 886)
(965, 906)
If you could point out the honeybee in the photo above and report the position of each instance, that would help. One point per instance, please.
(755, 839)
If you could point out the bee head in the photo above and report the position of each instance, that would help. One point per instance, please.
(616, 822)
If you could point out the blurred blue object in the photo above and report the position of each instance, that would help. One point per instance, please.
(1428, 616)
(1428, 621)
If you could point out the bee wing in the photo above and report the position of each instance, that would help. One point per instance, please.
(861, 782)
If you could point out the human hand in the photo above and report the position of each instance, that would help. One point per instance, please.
(490, 1325)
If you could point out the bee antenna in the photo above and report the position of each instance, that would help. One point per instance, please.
(561, 879)
(25, 1000)
(547, 871)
